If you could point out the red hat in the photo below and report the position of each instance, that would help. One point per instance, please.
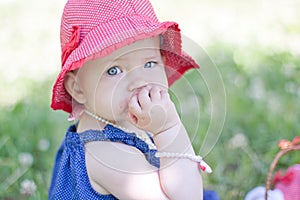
(95, 28)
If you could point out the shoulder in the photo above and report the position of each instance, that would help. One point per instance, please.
(111, 164)
(115, 156)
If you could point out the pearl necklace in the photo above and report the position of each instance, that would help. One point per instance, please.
(144, 138)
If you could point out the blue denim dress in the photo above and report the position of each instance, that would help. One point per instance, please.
(70, 179)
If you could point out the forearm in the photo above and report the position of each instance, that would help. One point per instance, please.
(180, 178)
(152, 110)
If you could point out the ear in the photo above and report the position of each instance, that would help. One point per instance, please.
(73, 88)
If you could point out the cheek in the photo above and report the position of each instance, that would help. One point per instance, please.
(123, 106)
(120, 98)
(114, 98)
(161, 77)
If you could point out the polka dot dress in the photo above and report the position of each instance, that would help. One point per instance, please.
(70, 179)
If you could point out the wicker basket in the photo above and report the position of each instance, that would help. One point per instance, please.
(286, 147)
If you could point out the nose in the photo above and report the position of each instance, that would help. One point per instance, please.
(135, 84)
(136, 79)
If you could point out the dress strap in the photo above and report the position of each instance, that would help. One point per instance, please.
(92, 135)
(113, 134)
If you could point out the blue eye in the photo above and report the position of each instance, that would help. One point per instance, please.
(150, 64)
(114, 71)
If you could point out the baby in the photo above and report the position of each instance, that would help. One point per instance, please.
(118, 61)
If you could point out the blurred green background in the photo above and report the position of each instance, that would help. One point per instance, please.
(253, 48)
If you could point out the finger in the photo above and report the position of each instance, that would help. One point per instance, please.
(132, 118)
(164, 94)
(133, 105)
(155, 94)
(144, 98)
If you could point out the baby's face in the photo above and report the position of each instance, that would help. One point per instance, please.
(108, 83)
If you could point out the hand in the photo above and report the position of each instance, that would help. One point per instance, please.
(151, 109)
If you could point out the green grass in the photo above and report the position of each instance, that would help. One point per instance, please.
(25, 126)
(262, 107)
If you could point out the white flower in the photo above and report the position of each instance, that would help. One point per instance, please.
(25, 159)
(291, 88)
(28, 187)
(273, 103)
(238, 141)
(256, 89)
(288, 70)
(43, 144)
